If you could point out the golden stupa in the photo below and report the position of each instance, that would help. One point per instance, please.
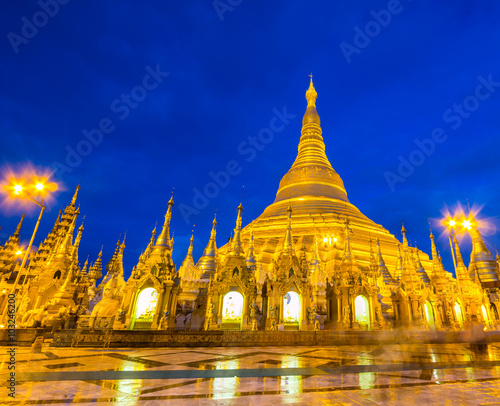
(320, 208)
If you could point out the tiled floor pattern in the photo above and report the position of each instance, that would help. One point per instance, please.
(446, 374)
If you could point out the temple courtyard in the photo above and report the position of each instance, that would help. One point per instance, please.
(390, 374)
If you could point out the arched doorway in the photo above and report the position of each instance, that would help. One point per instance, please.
(232, 311)
(459, 315)
(429, 315)
(145, 308)
(291, 310)
(362, 312)
(485, 316)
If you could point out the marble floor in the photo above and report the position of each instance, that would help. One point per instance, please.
(410, 374)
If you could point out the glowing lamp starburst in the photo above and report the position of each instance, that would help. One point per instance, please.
(467, 224)
(18, 189)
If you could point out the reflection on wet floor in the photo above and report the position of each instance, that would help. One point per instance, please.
(383, 374)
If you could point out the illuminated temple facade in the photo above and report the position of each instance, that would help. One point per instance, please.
(310, 261)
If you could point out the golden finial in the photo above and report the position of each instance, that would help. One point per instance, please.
(311, 94)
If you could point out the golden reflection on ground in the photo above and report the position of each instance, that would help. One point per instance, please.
(367, 380)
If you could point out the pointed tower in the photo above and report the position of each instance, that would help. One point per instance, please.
(8, 254)
(187, 269)
(311, 174)
(288, 241)
(461, 270)
(420, 269)
(481, 259)
(163, 242)
(250, 261)
(388, 279)
(236, 248)
(208, 261)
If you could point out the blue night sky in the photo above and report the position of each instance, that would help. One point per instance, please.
(217, 72)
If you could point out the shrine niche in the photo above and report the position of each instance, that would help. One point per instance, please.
(145, 309)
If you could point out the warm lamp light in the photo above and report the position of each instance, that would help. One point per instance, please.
(325, 239)
(18, 189)
(19, 252)
(452, 223)
(467, 224)
(39, 186)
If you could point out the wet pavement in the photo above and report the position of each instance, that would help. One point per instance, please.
(411, 374)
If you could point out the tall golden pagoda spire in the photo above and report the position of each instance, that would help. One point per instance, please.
(311, 174)
(163, 241)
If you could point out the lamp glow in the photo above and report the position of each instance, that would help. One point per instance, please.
(39, 186)
(18, 189)
(467, 224)
(19, 252)
(452, 223)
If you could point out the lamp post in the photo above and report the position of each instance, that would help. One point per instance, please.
(21, 189)
(450, 224)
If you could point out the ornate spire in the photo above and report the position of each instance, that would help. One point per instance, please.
(420, 268)
(311, 174)
(18, 228)
(236, 248)
(288, 242)
(311, 94)
(163, 241)
(73, 200)
(403, 232)
(95, 271)
(461, 270)
(208, 263)
(399, 264)
(386, 275)
(481, 258)
(250, 261)
(76, 245)
(434, 249)
(188, 263)
(347, 257)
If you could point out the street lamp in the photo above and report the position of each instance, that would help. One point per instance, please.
(30, 190)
